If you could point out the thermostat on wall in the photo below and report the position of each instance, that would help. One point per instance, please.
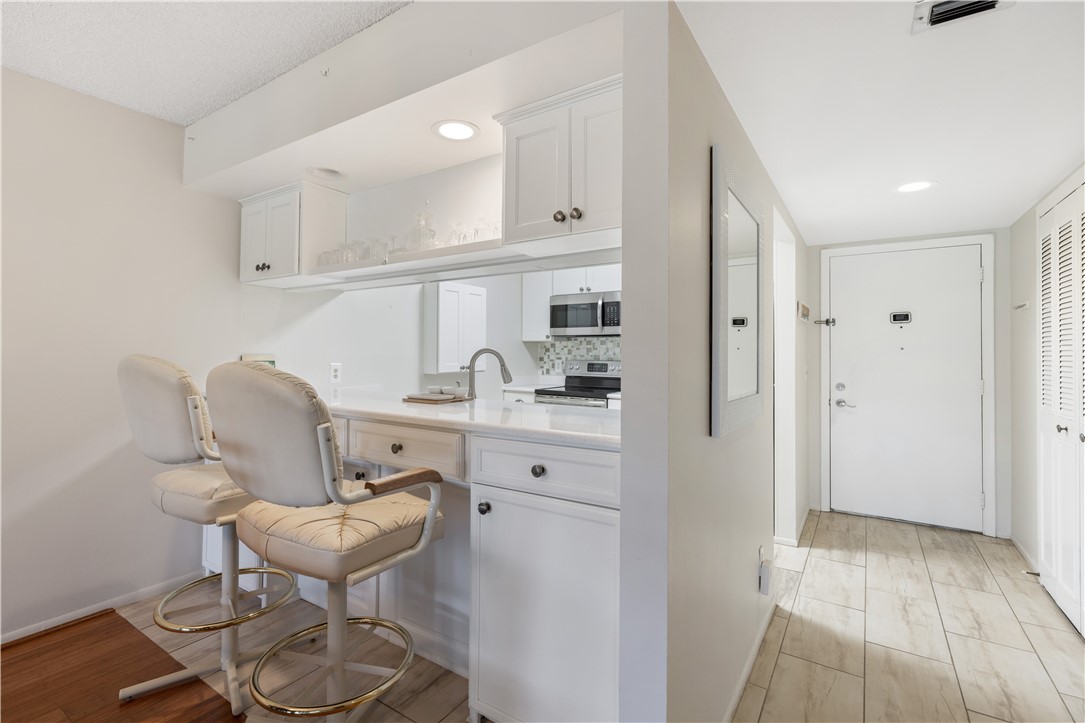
(268, 359)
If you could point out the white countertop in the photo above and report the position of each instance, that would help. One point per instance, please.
(581, 426)
(528, 385)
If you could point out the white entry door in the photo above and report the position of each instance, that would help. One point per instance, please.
(906, 415)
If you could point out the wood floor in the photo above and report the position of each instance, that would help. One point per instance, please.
(887, 621)
(428, 693)
(74, 672)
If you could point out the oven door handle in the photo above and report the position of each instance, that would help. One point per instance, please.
(570, 401)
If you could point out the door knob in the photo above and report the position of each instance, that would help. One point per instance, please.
(1060, 428)
(484, 507)
(843, 403)
(559, 216)
(575, 213)
(397, 448)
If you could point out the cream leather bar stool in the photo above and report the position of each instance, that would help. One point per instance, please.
(170, 424)
(278, 444)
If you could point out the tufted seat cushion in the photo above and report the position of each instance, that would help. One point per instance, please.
(332, 541)
(201, 493)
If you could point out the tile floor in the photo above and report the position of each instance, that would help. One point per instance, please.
(886, 621)
(427, 693)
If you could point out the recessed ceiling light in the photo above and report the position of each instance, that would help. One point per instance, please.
(455, 130)
(329, 174)
(915, 186)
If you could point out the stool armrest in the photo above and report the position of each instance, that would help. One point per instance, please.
(400, 480)
(195, 418)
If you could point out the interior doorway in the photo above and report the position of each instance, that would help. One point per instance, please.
(907, 362)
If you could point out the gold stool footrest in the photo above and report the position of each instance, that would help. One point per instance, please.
(160, 615)
(340, 706)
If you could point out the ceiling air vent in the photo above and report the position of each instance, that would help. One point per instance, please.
(929, 13)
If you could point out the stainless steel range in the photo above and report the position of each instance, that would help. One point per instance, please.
(587, 384)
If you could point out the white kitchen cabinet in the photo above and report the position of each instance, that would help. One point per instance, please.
(592, 278)
(535, 291)
(544, 616)
(563, 171)
(454, 326)
(522, 397)
(277, 226)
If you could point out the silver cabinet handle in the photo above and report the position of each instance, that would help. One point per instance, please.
(1081, 436)
(843, 403)
(484, 508)
(537, 471)
(576, 213)
(1059, 428)
(559, 216)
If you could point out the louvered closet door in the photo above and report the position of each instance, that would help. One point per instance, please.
(1061, 417)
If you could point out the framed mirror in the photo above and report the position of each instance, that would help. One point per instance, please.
(736, 314)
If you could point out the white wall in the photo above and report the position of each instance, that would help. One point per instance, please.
(720, 504)
(1024, 384)
(106, 255)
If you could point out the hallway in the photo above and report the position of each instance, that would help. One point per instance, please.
(887, 621)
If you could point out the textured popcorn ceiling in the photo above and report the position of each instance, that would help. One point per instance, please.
(178, 61)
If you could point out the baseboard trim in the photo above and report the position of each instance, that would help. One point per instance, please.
(120, 600)
(785, 541)
(736, 694)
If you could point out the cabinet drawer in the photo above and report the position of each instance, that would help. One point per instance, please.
(442, 451)
(581, 475)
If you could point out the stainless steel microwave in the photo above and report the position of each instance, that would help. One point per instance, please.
(595, 314)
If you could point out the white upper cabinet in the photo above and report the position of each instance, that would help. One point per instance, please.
(535, 292)
(454, 326)
(276, 226)
(584, 280)
(563, 164)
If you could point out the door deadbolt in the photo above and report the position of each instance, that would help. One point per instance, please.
(839, 386)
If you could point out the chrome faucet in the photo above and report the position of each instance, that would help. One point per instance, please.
(506, 375)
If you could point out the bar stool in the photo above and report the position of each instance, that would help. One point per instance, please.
(278, 444)
(170, 424)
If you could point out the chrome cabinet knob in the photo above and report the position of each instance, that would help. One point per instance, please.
(1060, 429)
(257, 267)
(559, 216)
(581, 288)
(537, 471)
(484, 508)
(397, 448)
(1081, 436)
(575, 213)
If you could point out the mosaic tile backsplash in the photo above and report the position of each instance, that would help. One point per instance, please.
(552, 354)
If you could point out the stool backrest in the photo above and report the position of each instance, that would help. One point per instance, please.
(155, 395)
(265, 422)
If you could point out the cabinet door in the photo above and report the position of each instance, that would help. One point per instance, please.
(596, 141)
(472, 324)
(535, 291)
(544, 617)
(604, 278)
(537, 176)
(453, 326)
(283, 216)
(570, 281)
(253, 237)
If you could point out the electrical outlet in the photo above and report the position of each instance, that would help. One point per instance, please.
(335, 396)
(335, 373)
